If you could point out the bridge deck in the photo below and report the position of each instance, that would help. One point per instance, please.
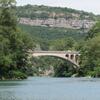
(61, 52)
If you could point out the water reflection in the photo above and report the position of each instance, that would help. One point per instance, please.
(36, 88)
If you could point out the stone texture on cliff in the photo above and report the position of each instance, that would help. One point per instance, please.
(59, 22)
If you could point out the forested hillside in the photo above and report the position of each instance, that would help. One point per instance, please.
(47, 24)
(34, 11)
(55, 17)
(46, 36)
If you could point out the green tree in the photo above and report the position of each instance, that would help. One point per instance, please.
(90, 53)
(94, 31)
(63, 44)
(14, 44)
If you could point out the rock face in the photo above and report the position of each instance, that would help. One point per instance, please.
(59, 22)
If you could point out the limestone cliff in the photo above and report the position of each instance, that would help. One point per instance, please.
(55, 17)
(59, 22)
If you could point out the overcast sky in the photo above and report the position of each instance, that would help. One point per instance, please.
(86, 5)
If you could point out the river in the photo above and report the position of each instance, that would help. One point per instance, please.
(45, 88)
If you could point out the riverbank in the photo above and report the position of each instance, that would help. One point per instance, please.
(13, 78)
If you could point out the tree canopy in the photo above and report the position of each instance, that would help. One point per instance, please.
(90, 59)
(14, 44)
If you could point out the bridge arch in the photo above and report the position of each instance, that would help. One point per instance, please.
(71, 57)
(75, 64)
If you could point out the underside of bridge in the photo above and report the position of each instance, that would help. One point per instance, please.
(71, 57)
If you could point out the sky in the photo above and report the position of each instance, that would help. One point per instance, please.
(86, 5)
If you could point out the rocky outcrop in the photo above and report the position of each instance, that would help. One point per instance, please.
(59, 22)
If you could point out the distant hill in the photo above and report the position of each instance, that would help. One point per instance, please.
(55, 17)
(34, 11)
(49, 24)
(50, 33)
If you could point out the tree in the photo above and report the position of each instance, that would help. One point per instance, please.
(94, 31)
(14, 44)
(63, 44)
(90, 53)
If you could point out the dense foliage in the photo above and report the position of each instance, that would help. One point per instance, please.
(14, 44)
(90, 59)
(52, 66)
(44, 12)
(54, 38)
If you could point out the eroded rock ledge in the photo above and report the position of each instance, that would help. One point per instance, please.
(59, 22)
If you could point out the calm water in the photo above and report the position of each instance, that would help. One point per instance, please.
(36, 88)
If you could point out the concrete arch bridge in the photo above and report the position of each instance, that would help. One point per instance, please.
(71, 56)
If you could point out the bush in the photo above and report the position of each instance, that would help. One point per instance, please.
(18, 75)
